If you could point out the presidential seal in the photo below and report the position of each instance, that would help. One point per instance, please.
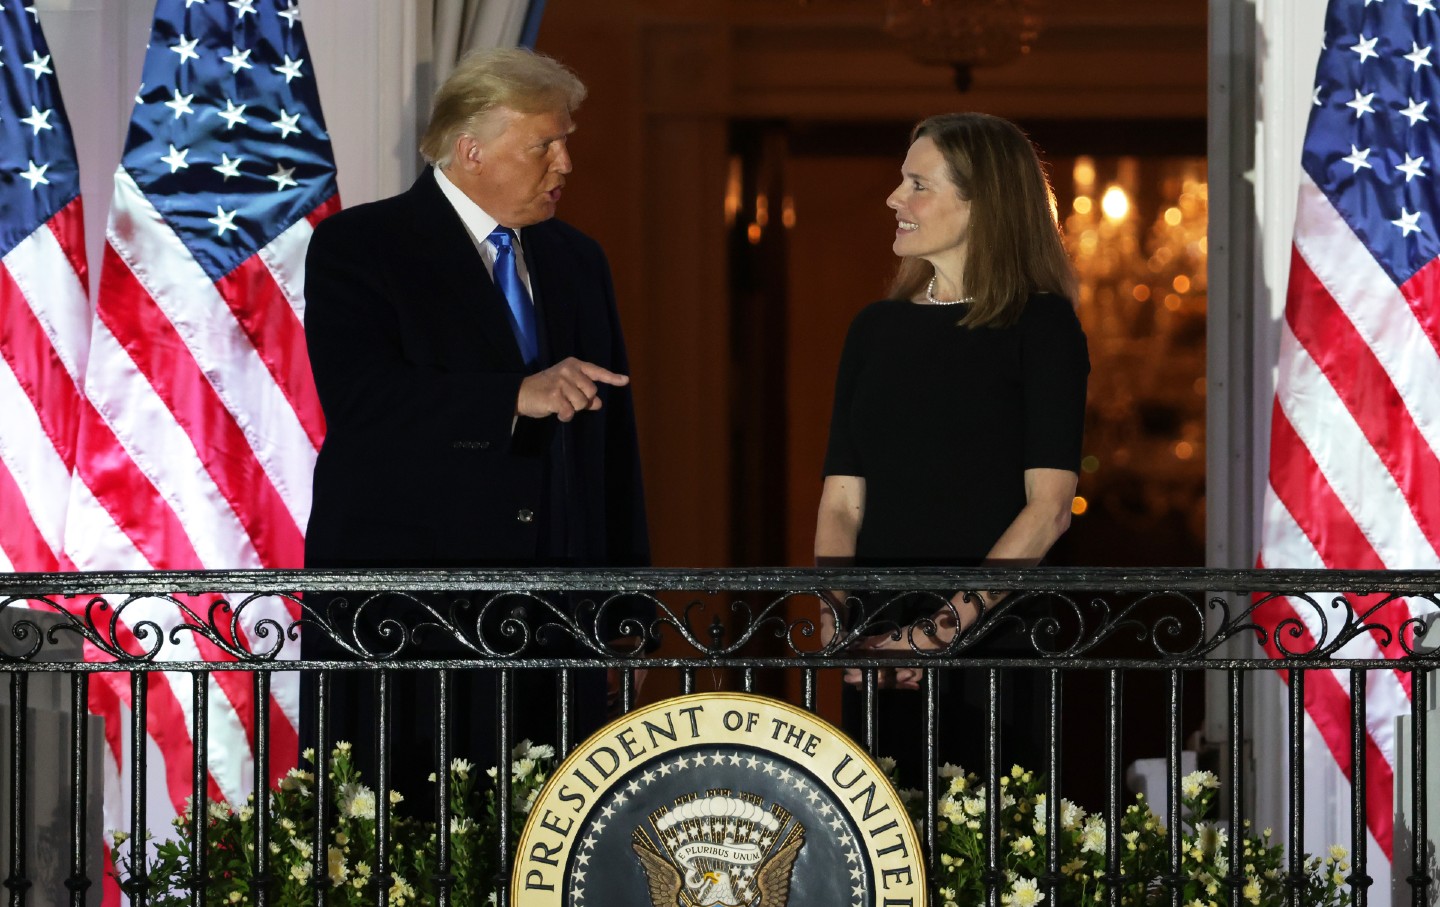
(718, 800)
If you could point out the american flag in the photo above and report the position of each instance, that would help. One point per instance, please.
(1355, 436)
(44, 305)
(196, 448)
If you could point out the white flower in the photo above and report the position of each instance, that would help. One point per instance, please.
(538, 751)
(1338, 852)
(1092, 836)
(1025, 893)
(887, 765)
(522, 768)
(301, 871)
(974, 806)
(337, 868)
(951, 771)
(1194, 783)
(951, 810)
(358, 802)
(218, 810)
(460, 768)
(1070, 815)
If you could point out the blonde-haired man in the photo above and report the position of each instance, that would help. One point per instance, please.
(468, 355)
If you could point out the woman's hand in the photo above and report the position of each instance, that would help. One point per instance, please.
(948, 625)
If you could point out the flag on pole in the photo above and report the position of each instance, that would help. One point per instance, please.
(202, 427)
(44, 303)
(1355, 436)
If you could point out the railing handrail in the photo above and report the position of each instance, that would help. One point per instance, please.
(1423, 583)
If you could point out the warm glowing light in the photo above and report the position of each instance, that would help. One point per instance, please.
(787, 212)
(1172, 302)
(1173, 216)
(732, 191)
(1082, 204)
(762, 209)
(1181, 283)
(1141, 292)
(1090, 463)
(1184, 450)
(1084, 173)
(1114, 203)
(752, 233)
(1079, 505)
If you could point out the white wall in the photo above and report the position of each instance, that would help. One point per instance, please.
(364, 57)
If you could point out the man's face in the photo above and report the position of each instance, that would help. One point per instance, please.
(517, 170)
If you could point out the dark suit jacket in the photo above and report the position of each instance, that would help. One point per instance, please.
(418, 372)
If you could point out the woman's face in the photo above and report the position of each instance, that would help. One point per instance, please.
(934, 221)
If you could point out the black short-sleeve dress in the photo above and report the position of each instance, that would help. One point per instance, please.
(942, 421)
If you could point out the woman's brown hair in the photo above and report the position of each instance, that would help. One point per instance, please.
(1015, 247)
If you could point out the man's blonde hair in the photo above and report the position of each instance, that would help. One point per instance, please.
(510, 77)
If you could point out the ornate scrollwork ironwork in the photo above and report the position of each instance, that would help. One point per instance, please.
(788, 617)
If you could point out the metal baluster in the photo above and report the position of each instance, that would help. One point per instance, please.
(992, 792)
(18, 882)
(929, 687)
(502, 779)
(566, 692)
(1054, 805)
(79, 881)
(1360, 880)
(321, 705)
(139, 890)
(199, 786)
(444, 879)
(1296, 848)
(1173, 768)
(1419, 879)
(382, 880)
(1113, 790)
(261, 887)
(1236, 878)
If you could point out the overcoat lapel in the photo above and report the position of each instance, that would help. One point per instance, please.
(550, 286)
(449, 261)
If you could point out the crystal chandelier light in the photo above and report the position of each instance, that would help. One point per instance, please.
(964, 33)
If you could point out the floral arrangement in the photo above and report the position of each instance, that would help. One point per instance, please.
(1206, 852)
(960, 839)
(350, 860)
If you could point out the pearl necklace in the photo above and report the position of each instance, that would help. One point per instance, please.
(930, 297)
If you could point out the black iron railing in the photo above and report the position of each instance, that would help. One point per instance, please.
(754, 625)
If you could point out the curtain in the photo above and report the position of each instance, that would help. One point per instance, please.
(452, 28)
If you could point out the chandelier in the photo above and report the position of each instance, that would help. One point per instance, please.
(964, 33)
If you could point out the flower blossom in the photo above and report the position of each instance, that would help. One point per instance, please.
(1025, 893)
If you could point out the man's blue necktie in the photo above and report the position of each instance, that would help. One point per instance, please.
(522, 310)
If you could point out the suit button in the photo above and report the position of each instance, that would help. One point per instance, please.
(525, 516)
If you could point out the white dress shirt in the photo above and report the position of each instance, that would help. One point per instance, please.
(479, 225)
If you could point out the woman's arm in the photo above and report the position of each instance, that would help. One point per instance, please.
(1044, 518)
(837, 525)
(842, 510)
(1049, 494)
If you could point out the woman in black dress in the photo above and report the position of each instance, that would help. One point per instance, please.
(960, 402)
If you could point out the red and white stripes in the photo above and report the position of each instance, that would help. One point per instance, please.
(44, 336)
(197, 435)
(1354, 463)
